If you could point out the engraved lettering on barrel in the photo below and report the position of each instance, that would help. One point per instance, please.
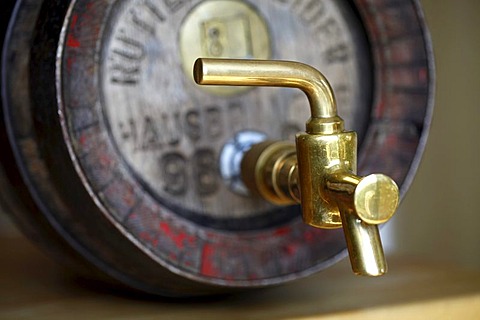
(174, 170)
(198, 173)
(193, 127)
(309, 11)
(312, 11)
(173, 128)
(128, 130)
(205, 170)
(314, 14)
(154, 11)
(150, 136)
(123, 74)
(169, 129)
(141, 23)
(126, 59)
(152, 133)
(145, 15)
(338, 51)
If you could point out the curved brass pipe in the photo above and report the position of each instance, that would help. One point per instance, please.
(270, 74)
(323, 175)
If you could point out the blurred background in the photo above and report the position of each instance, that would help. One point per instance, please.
(440, 216)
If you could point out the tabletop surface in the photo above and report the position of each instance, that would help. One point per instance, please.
(34, 287)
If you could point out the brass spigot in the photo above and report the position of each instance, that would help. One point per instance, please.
(320, 172)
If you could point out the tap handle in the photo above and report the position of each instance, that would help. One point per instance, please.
(373, 198)
(364, 203)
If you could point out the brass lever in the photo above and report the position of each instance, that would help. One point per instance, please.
(320, 171)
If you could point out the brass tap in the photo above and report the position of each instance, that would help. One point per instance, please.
(320, 171)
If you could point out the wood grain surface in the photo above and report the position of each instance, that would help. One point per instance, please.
(33, 287)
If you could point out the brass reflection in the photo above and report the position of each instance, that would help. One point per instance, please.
(320, 171)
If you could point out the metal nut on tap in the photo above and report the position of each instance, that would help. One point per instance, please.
(319, 172)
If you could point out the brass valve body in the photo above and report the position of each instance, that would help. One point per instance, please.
(332, 198)
(320, 172)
